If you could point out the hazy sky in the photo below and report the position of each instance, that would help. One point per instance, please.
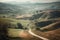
(33, 1)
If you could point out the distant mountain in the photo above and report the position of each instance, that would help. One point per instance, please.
(9, 8)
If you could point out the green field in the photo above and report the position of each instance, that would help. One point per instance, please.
(13, 32)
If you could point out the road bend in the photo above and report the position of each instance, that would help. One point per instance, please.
(33, 34)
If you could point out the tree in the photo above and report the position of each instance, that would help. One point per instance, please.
(3, 29)
(19, 26)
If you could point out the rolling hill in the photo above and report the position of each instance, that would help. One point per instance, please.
(9, 8)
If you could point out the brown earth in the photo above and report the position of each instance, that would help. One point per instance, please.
(52, 35)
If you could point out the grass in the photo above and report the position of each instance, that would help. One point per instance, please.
(53, 35)
(14, 32)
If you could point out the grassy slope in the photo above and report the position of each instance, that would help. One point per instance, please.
(52, 35)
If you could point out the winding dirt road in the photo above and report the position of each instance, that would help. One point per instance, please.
(33, 34)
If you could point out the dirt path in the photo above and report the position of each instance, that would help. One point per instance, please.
(33, 34)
